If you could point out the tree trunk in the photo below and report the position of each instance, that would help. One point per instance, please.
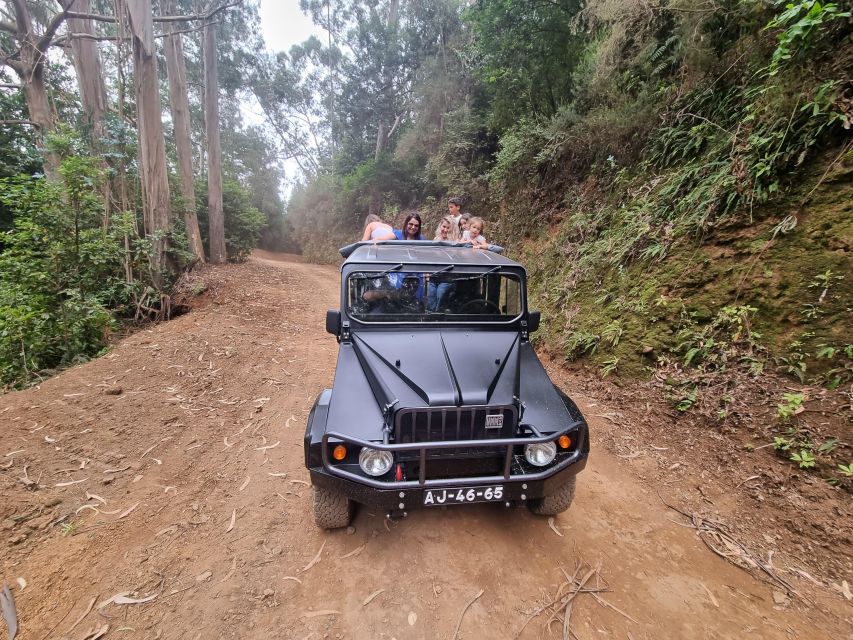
(216, 216)
(87, 64)
(179, 102)
(90, 80)
(382, 133)
(152, 148)
(29, 66)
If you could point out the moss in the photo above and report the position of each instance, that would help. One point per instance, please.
(800, 281)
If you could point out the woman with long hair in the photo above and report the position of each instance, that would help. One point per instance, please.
(411, 228)
(375, 229)
(447, 231)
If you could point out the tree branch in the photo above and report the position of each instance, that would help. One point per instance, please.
(61, 40)
(27, 122)
(15, 65)
(8, 27)
(8, 85)
(193, 16)
(22, 15)
(53, 25)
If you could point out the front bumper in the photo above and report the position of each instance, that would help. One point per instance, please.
(520, 483)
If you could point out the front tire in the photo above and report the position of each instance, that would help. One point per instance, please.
(332, 509)
(557, 502)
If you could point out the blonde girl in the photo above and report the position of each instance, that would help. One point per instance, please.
(474, 233)
(447, 230)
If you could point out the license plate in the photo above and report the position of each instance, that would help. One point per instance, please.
(440, 497)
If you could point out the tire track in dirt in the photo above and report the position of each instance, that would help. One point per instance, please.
(203, 417)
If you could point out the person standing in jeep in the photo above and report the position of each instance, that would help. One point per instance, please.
(411, 228)
(454, 210)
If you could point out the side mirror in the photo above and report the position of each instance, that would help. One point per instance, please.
(533, 318)
(333, 322)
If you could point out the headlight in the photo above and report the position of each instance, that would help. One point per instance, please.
(375, 463)
(540, 454)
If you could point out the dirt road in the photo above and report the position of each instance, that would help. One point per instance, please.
(170, 471)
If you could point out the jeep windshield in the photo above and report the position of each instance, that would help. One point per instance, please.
(401, 294)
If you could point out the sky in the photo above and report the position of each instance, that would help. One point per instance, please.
(284, 25)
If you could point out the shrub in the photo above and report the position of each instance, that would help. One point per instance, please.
(59, 271)
(243, 222)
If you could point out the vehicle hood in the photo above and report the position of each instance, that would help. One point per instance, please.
(439, 367)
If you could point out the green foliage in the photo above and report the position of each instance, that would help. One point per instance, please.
(686, 400)
(580, 343)
(790, 406)
(610, 365)
(800, 25)
(243, 222)
(729, 337)
(528, 51)
(804, 459)
(58, 272)
(781, 443)
(846, 469)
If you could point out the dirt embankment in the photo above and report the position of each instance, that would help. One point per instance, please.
(170, 471)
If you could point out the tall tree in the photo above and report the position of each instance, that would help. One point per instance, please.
(26, 55)
(157, 212)
(87, 65)
(384, 129)
(214, 150)
(84, 55)
(179, 103)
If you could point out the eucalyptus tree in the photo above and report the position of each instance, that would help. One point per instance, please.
(176, 71)
(152, 148)
(27, 33)
(285, 86)
(216, 215)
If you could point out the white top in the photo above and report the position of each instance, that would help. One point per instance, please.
(466, 237)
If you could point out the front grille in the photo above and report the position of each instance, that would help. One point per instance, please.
(446, 468)
(434, 424)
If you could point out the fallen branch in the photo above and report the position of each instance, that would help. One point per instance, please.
(562, 603)
(716, 537)
(462, 615)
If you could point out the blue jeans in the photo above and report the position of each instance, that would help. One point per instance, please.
(436, 294)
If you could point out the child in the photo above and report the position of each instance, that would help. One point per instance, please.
(463, 223)
(474, 233)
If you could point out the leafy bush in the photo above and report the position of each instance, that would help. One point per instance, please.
(243, 222)
(59, 272)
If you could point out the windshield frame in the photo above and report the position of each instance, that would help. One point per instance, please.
(516, 272)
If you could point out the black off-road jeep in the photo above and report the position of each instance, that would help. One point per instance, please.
(438, 397)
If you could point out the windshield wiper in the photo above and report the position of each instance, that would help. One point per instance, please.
(443, 270)
(492, 270)
(480, 276)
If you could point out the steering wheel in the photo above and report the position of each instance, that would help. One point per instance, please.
(480, 305)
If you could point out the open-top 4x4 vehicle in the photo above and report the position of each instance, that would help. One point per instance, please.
(438, 398)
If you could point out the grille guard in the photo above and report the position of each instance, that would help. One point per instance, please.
(423, 447)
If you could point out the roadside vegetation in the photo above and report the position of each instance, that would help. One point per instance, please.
(103, 211)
